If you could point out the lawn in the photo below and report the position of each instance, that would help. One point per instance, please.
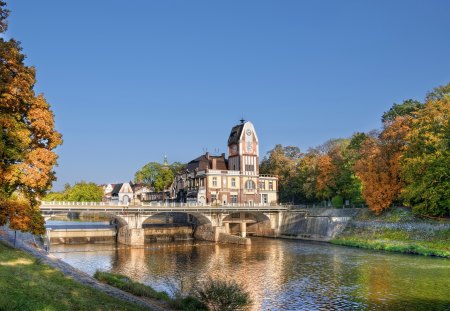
(28, 284)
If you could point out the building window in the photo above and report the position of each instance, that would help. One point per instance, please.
(233, 182)
(249, 167)
(250, 185)
(261, 185)
(202, 182)
(214, 183)
(270, 185)
(213, 198)
(234, 198)
(264, 198)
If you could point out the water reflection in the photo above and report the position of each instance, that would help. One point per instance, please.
(281, 274)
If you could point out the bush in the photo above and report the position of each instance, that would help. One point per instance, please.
(337, 201)
(188, 303)
(222, 295)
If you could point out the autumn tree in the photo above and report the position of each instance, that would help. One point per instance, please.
(426, 162)
(27, 139)
(331, 173)
(379, 168)
(283, 161)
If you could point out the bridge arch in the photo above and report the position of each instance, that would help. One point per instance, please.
(193, 217)
(252, 215)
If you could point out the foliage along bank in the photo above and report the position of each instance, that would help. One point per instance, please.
(406, 162)
(27, 139)
(397, 230)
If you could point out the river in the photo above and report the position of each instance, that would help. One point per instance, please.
(280, 274)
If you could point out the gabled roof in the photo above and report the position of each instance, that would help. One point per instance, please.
(116, 189)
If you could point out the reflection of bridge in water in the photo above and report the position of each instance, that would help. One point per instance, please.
(212, 223)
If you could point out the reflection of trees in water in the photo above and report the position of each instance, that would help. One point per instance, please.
(131, 262)
(282, 274)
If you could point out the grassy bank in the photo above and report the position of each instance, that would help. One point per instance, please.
(126, 284)
(397, 230)
(27, 284)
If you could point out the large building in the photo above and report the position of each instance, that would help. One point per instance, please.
(216, 180)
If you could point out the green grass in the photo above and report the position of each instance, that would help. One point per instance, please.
(123, 282)
(27, 284)
(435, 243)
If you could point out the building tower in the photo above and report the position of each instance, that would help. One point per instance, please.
(243, 149)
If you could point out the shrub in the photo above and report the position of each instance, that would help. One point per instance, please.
(222, 295)
(337, 201)
(188, 303)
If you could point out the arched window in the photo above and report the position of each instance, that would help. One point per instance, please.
(250, 185)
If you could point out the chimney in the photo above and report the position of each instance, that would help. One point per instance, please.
(214, 163)
(207, 155)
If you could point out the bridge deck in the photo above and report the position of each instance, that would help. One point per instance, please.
(161, 209)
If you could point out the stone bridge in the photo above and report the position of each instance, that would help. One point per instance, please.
(211, 223)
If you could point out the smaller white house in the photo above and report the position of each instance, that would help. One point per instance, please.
(119, 193)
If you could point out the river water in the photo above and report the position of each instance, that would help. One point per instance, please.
(280, 274)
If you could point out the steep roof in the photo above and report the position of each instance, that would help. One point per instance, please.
(235, 134)
(206, 161)
(116, 189)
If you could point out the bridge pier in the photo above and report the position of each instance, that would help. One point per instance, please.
(132, 232)
(227, 227)
(131, 236)
(243, 229)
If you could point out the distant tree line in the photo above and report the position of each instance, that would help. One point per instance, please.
(406, 162)
(79, 192)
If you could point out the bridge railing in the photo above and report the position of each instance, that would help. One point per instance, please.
(154, 204)
(67, 203)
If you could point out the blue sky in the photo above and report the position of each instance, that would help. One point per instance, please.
(130, 81)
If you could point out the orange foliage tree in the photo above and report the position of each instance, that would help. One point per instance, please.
(379, 168)
(27, 139)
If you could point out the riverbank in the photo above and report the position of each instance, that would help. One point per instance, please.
(26, 283)
(397, 230)
(30, 279)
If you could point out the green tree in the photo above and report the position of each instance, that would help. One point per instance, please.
(407, 108)
(163, 180)
(426, 162)
(158, 176)
(438, 93)
(80, 192)
(27, 139)
(148, 173)
(84, 192)
(177, 168)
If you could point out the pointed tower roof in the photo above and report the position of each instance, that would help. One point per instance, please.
(165, 162)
